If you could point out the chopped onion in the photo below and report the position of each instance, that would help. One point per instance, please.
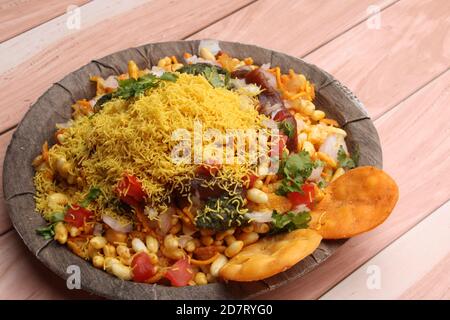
(315, 174)
(98, 229)
(117, 225)
(332, 144)
(211, 44)
(301, 208)
(270, 78)
(265, 66)
(157, 71)
(194, 59)
(258, 216)
(182, 240)
(111, 82)
(165, 221)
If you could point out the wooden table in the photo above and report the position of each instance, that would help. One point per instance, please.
(395, 55)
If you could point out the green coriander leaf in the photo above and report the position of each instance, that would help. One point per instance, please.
(216, 76)
(47, 232)
(344, 160)
(289, 221)
(287, 128)
(322, 184)
(91, 196)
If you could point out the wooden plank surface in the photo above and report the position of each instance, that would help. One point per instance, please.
(5, 222)
(295, 27)
(162, 19)
(415, 159)
(384, 66)
(29, 43)
(435, 285)
(396, 268)
(18, 16)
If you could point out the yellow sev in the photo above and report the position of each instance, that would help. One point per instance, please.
(136, 138)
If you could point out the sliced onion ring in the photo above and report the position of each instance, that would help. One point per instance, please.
(117, 225)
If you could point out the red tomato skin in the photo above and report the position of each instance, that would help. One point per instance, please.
(77, 216)
(130, 190)
(251, 180)
(180, 273)
(307, 198)
(142, 267)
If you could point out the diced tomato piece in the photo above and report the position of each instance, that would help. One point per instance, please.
(281, 115)
(306, 198)
(142, 267)
(209, 168)
(180, 273)
(251, 180)
(130, 190)
(77, 216)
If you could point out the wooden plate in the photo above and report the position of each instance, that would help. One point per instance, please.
(53, 107)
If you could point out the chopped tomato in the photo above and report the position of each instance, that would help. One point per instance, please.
(142, 267)
(77, 216)
(130, 190)
(281, 115)
(180, 273)
(209, 168)
(306, 198)
(251, 180)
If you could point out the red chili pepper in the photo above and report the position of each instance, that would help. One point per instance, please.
(77, 216)
(306, 198)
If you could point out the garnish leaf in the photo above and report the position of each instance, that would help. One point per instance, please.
(47, 232)
(287, 128)
(345, 161)
(91, 196)
(289, 221)
(216, 76)
(131, 88)
(295, 170)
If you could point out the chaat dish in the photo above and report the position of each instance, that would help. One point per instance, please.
(203, 168)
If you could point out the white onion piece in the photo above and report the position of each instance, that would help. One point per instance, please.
(332, 144)
(111, 82)
(258, 216)
(165, 221)
(98, 229)
(194, 59)
(211, 44)
(265, 66)
(315, 174)
(270, 78)
(182, 240)
(117, 225)
(300, 208)
(157, 71)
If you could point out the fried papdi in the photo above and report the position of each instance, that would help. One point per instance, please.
(271, 255)
(356, 202)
